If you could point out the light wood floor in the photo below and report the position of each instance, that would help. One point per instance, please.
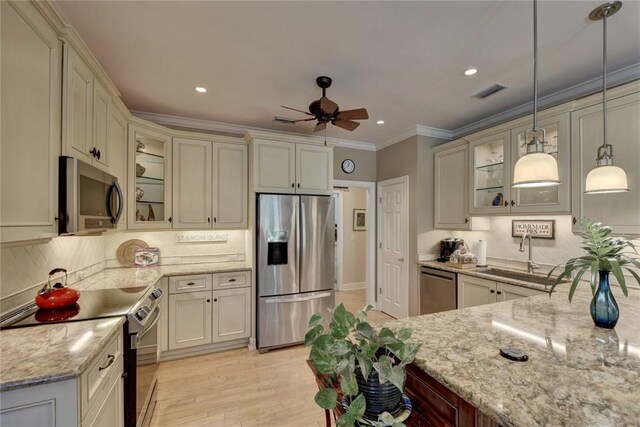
(244, 388)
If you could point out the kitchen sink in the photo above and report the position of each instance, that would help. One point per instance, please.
(525, 277)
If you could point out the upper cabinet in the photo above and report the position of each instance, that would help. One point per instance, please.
(86, 109)
(117, 141)
(288, 167)
(149, 177)
(451, 186)
(493, 156)
(619, 210)
(209, 183)
(31, 59)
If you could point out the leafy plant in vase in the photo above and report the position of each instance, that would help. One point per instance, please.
(368, 368)
(604, 254)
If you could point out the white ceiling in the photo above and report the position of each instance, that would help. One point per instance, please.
(403, 61)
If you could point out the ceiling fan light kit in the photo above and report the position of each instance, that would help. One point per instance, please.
(325, 111)
(536, 168)
(605, 177)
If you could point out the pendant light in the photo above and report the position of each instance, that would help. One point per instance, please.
(536, 168)
(605, 177)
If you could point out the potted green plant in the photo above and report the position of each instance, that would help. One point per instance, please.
(604, 254)
(365, 366)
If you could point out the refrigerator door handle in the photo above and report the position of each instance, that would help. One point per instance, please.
(302, 237)
(297, 299)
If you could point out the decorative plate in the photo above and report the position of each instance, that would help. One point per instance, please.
(126, 252)
(402, 413)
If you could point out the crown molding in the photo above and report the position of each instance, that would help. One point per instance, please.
(185, 122)
(418, 130)
(614, 78)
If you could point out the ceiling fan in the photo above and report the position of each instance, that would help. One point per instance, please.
(326, 111)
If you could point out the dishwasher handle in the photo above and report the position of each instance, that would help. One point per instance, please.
(437, 273)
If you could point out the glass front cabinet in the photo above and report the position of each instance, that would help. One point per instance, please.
(149, 178)
(493, 158)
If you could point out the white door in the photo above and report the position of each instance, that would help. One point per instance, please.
(101, 117)
(229, 185)
(189, 319)
(77, 132)
(274, 167)
(231, 314)
(474, 291)
(393, 218)
(314, 169)
(191, 183)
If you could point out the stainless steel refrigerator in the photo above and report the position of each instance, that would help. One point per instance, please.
(295, 265)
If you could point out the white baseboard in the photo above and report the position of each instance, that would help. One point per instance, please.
(352, 286)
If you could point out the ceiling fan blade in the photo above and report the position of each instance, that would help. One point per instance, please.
(357, 114)
(295, 109)
(346, 124)
(320, 126)
(328, 106)
(302, 120)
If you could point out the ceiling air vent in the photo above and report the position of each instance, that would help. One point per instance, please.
(490, 91)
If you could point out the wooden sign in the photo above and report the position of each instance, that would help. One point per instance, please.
(539, 229)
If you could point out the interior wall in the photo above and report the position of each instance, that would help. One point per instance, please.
(364, 160)
(353, 260)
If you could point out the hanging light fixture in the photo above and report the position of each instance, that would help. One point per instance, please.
(536, 168)
(605, 177)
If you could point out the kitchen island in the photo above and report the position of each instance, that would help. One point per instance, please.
(576, 375)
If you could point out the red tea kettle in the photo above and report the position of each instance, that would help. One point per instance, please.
(58, 295)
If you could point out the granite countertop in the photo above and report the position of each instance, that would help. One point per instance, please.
(478, 272)
(148, 276)
(577, 374)
(49, 353)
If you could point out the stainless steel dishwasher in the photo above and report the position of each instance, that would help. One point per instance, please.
(438, 291)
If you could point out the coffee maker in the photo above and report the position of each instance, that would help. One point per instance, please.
(447, 246)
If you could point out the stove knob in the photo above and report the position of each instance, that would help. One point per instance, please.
(142, 314)
(156, 293)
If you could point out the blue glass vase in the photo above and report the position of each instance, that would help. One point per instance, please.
(604, 309)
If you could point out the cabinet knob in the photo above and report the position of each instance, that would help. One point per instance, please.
(170, 219)
(209, 219)
(513, 203)
(190, 283)
(232, 280)
(215, 300)
(208, 300)
(492, 291)
(215, 219)
(293, 185)
(298, 185)
(499, 292)
(506, 203)
(95, 153)
(574, 220)
(466, 220)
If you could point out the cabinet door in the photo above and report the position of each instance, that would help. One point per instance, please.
(189, 319)
(274, 167)
(231, 314)
(117, 142)
(109, 412)
(507, 292)
(618, 210)
(149, 171)
(545, 199)
(230, 185)
(451, 188)
(31, 59)
(474, 291)
(314, 169)
(77, 132)
(101, 118)
(191, 183)
(491, 174)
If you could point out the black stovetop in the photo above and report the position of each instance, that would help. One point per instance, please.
(92, 304)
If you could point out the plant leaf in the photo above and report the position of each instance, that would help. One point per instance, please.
(404, 334)
(617, 271)
(386, 418)
(383, 367)
(365, 365)
(397, 376)
(315, 320)
(324, 362)
(326, 398)
(346, 420)
(348, 383)
(357, 406)
(364, 330)
(634, 274)
(312, 334)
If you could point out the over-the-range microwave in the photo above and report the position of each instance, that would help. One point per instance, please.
(89, 200)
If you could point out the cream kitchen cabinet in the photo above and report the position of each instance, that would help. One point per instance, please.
(288, 167)
(618, 210)
(208, 309)
(95, 398)
(451, 186)
(490, 178)
(209, 184)
(31, 61)
(149, 176)
(117, 141)
(86, 110)
(473, 291)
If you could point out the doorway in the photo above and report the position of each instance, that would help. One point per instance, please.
(355, 240)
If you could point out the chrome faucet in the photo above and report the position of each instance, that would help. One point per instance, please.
(531, 265)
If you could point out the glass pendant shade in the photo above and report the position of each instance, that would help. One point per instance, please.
(606, 179)
(536, 170)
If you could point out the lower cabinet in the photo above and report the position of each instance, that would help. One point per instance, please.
(96, 398)
(208, 309)
(474, 291)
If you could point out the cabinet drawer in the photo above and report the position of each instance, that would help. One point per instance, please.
(94, 379)
(179, 284)
(231, 280)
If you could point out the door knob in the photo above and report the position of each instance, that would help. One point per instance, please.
(401, 259)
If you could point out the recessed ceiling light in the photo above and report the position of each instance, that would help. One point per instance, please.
(470, 72)
(201, 89)
(380, 122)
